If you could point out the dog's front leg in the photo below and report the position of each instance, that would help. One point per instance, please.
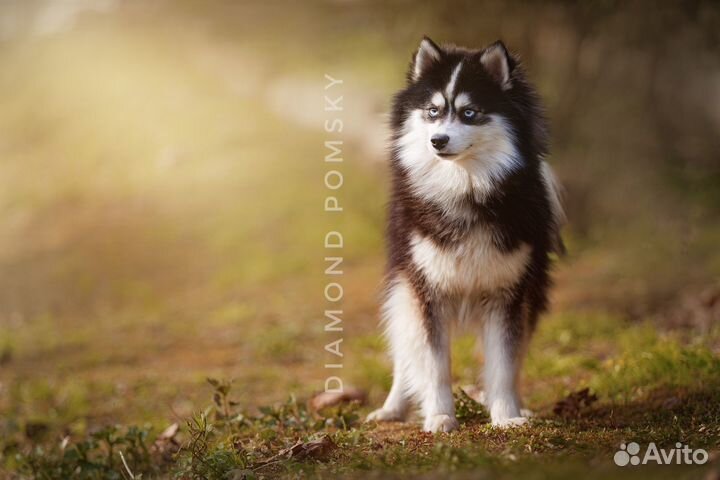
(503, 338)
(437, 401)
(420, 348)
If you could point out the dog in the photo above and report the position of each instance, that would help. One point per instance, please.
(474, 216)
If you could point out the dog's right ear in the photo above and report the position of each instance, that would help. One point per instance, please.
(427, 54)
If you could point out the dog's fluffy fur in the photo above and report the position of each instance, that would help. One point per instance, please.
(473, 217)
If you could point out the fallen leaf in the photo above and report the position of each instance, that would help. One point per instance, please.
(169, 432)
(316, 449)
(571, 405)
(241, 474)
(474, 392)
(165, 444)
(330, 399)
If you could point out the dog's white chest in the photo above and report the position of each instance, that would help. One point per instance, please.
(474, 265)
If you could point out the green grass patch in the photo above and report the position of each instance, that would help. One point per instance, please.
(651, 387)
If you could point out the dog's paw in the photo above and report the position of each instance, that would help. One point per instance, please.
(385, 415)
(511, 422)
(440, 423)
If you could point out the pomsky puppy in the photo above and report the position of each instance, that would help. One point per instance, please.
(473, 217)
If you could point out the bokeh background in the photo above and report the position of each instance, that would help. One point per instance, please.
(161, 189)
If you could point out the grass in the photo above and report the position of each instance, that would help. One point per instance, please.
(157, 230)
(651, 387)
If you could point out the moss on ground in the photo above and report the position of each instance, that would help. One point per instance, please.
(651, 387)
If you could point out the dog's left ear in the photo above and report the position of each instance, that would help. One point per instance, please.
(498, 64)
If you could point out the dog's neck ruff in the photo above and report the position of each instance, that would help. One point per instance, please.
(476, 174)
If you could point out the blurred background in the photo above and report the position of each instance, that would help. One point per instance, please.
(161, 187)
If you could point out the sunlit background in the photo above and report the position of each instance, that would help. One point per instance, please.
(161, 189)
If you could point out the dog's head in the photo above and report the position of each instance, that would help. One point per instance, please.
(461, 117)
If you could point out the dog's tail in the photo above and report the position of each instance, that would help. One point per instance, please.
(555, 196)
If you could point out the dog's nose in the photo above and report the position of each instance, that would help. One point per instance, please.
(439, 141)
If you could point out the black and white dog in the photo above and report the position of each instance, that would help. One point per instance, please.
(473, 217)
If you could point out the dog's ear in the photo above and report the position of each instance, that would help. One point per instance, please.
(497, 62)
(427, 54)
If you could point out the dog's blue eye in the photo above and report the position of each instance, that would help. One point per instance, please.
(433, 112)
(469, 113)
